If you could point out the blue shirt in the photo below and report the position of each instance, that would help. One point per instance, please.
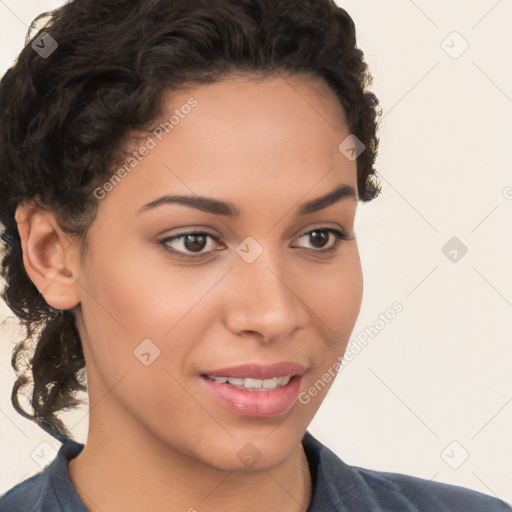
(336, 487)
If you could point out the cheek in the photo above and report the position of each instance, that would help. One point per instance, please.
(138, 296)
(337, 307)
(337, 296)
(139, 320)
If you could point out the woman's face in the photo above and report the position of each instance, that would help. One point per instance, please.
(157, 315)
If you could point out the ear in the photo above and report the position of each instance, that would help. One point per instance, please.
(49, 255)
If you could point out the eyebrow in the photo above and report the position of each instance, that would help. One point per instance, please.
(210, 205)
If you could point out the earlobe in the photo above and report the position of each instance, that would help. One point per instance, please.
(47, 256)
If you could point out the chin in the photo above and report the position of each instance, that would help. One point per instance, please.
(247, 453)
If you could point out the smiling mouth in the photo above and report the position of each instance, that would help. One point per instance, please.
(254, 389)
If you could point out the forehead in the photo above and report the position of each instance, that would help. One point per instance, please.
(240, 137)
(267, 103)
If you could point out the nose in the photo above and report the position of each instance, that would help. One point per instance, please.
(262, 301)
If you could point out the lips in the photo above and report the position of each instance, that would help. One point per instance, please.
(258, 371)
(258, 403)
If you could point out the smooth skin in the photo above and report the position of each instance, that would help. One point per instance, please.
(157, 438)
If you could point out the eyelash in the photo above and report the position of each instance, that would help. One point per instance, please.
(339, 237)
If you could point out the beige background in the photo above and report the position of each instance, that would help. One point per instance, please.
(434, 385)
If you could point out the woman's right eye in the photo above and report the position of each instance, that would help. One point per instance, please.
(194, 242)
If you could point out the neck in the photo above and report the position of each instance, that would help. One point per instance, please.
(125, 469)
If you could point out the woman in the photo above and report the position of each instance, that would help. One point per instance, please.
(180, 181)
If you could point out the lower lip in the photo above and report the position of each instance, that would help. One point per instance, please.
(258, 404)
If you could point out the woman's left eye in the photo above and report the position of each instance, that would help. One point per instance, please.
(321, 235)
(196, 242)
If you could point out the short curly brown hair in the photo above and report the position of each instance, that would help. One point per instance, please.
(67, 118)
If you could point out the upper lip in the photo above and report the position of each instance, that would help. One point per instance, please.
(259, 371)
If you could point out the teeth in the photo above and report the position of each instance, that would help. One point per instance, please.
(254, 384)
(235, 382)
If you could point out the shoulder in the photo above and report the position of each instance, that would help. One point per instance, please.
(426, 494)
(339, 486)
(50, 490)
(23, 496)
